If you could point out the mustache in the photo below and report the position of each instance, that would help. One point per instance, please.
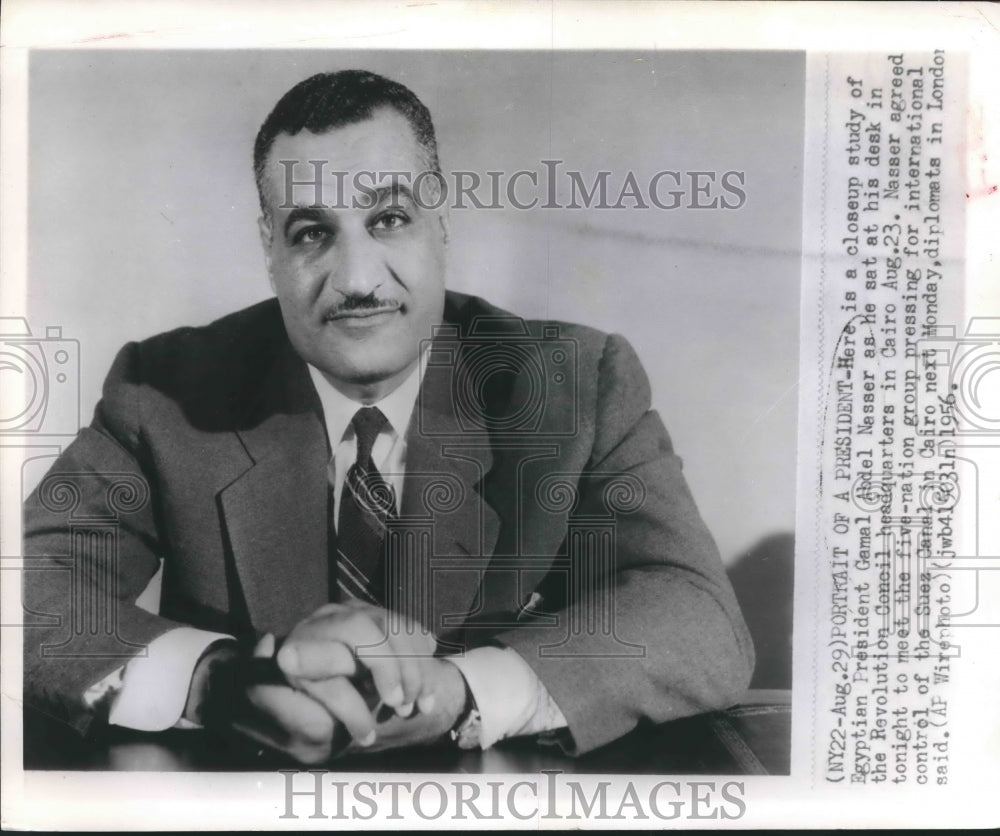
(352, 304)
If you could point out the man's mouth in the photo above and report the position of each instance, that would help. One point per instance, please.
(362, 315)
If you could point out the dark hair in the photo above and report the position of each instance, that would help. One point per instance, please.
(331, 100)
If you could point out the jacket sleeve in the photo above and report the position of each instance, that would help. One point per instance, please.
(91, 546)
(661, 637)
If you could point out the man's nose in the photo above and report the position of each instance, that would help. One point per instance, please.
(360, 267)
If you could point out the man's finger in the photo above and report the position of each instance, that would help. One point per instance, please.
(407, 643)
(265, 647)
(410, 681)
(342, 700)
(354, 625)
(389, 645)
(310, 659)
(413, 647)
(357, 633)
(287, 720)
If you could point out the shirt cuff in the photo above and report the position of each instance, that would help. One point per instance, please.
(153, 690)
(509, 695)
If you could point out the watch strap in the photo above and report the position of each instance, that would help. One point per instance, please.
(467, 733)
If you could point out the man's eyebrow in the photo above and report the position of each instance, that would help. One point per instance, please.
(394, 191)
(302, 213)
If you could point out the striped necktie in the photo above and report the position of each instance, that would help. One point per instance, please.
(367, 501)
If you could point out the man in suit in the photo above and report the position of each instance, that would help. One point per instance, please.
(387, 514)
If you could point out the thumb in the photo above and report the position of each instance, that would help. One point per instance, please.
(265, 647)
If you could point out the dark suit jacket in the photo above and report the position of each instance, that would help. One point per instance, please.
(534, 465)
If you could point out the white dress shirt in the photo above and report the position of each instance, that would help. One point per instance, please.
(149, 693)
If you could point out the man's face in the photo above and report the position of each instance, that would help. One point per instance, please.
(361, 281)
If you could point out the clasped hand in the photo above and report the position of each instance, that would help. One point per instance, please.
(331, 660)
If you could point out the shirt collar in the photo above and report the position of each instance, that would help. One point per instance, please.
(338, 409)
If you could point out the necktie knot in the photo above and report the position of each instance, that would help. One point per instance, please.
(368, 422)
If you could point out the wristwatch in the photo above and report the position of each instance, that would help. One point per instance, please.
(467, 733)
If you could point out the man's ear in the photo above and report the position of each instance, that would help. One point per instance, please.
(265, 229)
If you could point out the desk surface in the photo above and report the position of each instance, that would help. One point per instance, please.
(752, 738)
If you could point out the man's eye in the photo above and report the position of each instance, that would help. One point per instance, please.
(391, 220)
(310, 235)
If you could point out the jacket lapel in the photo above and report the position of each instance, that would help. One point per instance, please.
(276, 511)
(446, 468)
